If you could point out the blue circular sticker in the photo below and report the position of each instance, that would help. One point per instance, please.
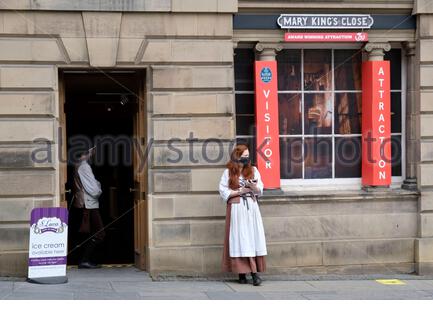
(266, 75)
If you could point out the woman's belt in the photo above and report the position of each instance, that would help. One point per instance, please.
(237, 199)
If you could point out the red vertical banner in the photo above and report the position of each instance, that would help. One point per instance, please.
(376, 123)
(267, 134)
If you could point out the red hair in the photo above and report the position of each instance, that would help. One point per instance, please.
(234, 167)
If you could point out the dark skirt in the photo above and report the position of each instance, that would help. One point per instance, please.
(239, 264)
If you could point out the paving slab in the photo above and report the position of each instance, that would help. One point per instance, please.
(292, 286)
(4, 293)
(366, 295)
(106, 296)
(155, 295)
(71, 286)
(412, 285)
(41, 295)
(223, 295)
(346, 284)
(173, 286)
(131, 274)
(281, 295)
(6, 285)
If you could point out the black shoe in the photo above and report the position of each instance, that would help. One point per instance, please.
(256, 279)
(242, 278)
(88, 265)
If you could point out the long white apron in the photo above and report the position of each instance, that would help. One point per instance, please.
(247, 235)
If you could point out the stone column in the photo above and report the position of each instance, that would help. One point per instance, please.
(410, 182)
(267, 51)
(376, 52)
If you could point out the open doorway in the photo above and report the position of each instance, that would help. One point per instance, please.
(103, 109)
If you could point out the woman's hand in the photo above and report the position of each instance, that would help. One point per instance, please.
(239, 192)
(252, 185)
(244, 190)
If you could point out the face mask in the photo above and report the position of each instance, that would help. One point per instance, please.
(244, 160)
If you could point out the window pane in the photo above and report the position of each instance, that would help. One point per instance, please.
(318, 113)
(289, 70)
(245, 104)
(394, 55)
(347, 69)
(348, 108)
(290, 113)
(396, 155)
(348, 157)
(251, 143)
(291, 158)
(245, 114)
(318, 158)
(245, 125)
(317, 70)
(244, 69)
(396, 112)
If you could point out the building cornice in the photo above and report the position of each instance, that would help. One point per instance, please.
(358, 6)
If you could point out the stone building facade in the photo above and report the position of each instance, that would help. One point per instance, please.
(187, 50)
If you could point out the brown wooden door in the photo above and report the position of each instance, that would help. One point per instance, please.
(140, 180)
(63, 166)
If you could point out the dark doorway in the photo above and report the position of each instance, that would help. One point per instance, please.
(99, 108)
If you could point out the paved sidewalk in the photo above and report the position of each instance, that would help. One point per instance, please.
(130, 283)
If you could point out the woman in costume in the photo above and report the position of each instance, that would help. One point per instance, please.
(244, 241)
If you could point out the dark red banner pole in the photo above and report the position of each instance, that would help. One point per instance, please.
(267, 136)
(376, 123)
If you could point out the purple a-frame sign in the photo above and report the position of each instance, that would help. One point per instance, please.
(48, 245)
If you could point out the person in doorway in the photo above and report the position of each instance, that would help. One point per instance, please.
(86, 193)
(244, 242)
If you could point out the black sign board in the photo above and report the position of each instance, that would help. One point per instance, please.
(325, 21)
